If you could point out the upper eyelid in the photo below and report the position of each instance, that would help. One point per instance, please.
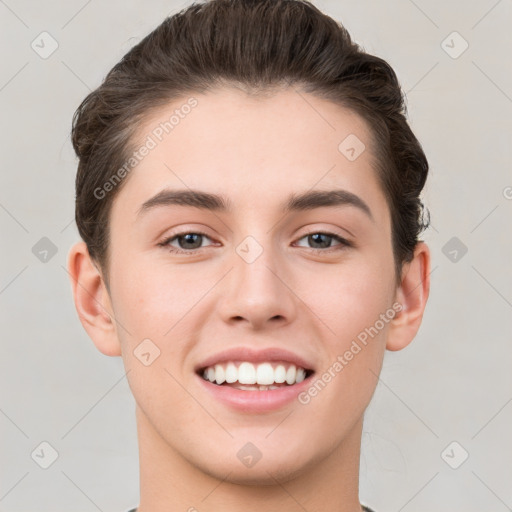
(344, 240)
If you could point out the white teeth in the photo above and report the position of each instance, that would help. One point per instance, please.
(301, 375)
(280, 374)
(246, 374)
(231, 373)
(291, 374)
(219, 374)
(262, 376)
(265, 374)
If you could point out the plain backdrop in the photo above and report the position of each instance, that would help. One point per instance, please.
(437, 432)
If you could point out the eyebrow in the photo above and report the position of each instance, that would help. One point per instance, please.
(296, 202)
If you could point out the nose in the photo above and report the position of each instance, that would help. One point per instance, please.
(256, 292)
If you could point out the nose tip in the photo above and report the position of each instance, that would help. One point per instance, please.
(255, 292)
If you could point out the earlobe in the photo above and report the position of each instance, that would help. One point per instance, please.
(92, 300)
(412, 295)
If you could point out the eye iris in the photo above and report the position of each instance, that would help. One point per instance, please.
(189, 237)
(312, 238)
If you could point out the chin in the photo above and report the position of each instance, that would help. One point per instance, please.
(262, 474)
(251, 466)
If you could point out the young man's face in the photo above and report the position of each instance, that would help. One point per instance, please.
(253, 281)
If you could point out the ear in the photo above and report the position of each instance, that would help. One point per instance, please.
(412, 294)
(92, 300)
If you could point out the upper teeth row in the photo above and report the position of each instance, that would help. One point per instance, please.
(247, 373)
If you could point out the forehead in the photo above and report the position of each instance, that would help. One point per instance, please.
(253, 148)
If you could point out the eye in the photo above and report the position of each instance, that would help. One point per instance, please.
(188, 241)
(324, 239)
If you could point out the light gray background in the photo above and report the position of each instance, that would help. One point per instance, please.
(453, 383)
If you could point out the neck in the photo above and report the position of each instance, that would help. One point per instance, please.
(169, 482)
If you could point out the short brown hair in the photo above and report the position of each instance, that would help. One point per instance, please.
(261, 46)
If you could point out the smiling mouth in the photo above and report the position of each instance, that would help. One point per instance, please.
(247, 376)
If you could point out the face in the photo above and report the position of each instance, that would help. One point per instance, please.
(253, 286)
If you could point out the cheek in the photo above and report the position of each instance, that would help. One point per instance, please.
(151, 298)
(356, 306)
(163, 304)
(351, 299)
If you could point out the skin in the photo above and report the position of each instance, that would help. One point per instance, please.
(255, 151)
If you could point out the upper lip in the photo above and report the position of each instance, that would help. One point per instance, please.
(254, 356)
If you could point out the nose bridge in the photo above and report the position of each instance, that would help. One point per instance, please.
(256, 291)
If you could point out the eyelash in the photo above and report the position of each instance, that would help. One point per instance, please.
(343, 242)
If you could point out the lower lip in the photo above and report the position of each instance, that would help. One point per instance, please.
(255, 401)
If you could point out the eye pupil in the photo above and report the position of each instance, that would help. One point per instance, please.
(189, 237)
(313, 238)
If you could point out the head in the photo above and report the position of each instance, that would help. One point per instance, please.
(259, 102)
